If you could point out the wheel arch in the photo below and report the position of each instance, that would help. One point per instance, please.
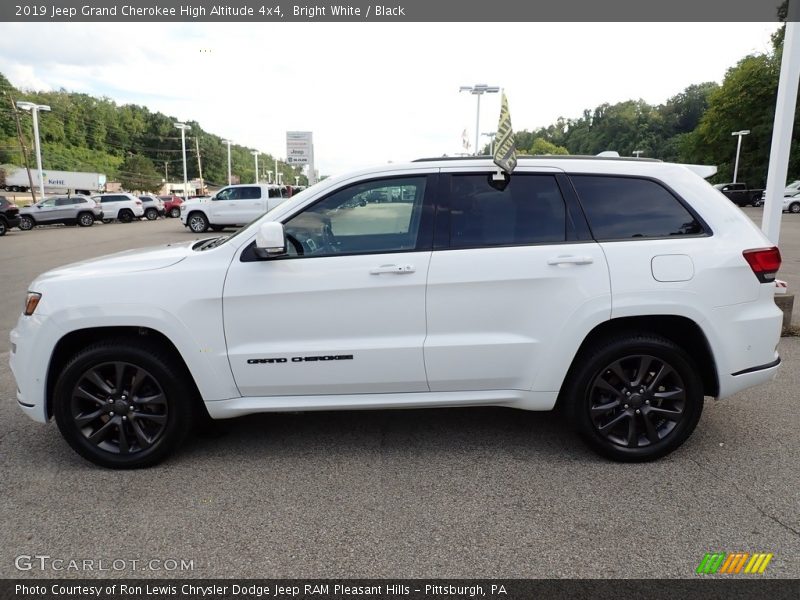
(72, 342)
(681, 330)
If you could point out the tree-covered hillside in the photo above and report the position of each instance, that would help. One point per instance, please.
(127, 142)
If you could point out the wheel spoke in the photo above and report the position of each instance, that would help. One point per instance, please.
(633, 433)
(160, 419)
(154, 399)
(606, 429)
(119, 377)
(85, 419)
(617, 369)
(650, 429)
(144, 441)
(138, 378)
(102, 433)
(101, 383)
(670, 415)
(644, 368)
(604, 385)
(124, 448)
(87, 395)
(601, 409)
(663, 372)
(677, 394)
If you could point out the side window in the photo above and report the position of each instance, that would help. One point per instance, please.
(274, 193)
(620, 208)
(249, 193)
(64, 201)
(354, 220)
(47, 203)
(230, 193)
(530, 210)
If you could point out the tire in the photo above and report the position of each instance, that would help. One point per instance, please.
(3, 228)
(125, 216)
(86, 219)
(175, 212)
(151, 214)
(128, 372)
(217, 227)
(26, 223)
(794, 207)
(756, 201)
(629, 418)
(107, 221)
(197, 222)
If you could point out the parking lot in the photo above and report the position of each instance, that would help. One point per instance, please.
(438, 493)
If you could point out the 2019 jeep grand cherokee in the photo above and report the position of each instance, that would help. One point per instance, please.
(621, 291)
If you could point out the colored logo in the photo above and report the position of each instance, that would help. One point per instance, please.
(733, 563)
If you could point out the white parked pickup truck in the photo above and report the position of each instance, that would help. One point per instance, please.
(234, 205)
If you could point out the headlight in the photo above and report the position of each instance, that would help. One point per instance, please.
(31, 302)
(183, 207)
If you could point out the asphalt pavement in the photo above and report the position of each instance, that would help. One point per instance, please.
(437, 493)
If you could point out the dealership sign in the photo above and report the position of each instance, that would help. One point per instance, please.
(299, 147)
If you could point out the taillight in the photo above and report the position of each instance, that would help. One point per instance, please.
(139, 202)
(765, 262)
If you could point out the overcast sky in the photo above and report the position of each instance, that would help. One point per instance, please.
(371, 92)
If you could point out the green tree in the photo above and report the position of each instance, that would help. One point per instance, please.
(137, 173)
(542, 146)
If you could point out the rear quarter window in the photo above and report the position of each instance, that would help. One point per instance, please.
(621, 208)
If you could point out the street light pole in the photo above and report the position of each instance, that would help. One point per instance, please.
(35, 108)
(478, 90)
(638, 153)
(255, 155)
(490, 135)
(229, 142)
(276, 170)
(184, 128)
(741, 133)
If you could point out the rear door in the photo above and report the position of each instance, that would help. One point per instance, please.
(514, 271)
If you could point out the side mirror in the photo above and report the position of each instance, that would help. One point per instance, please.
(270, 240)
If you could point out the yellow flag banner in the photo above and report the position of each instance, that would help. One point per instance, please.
(505, 153)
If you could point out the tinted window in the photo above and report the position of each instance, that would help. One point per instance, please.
(620, 208)
(249, 193)
(274, 193)
(228, 194)
(529, 210)
(113, 198)
(353, 220)
(64, 201)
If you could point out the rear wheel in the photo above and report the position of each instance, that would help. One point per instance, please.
(794, 207)
(86, 219)
(175, 212)
(151, 214)
(3, 227)
(122, 404)
(197, 222)
(26, 223)
(125, 216)
(635, 397)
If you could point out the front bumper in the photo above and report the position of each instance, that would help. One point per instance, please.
(12, 221)
(32, 342)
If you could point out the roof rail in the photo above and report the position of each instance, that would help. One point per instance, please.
(541, 156)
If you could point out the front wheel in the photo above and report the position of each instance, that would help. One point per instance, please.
(151, 214)
(634, 398)
(122, 404)
(26, 223)
(197, 222)
(794, 207)
(86, 220)
(175, 212)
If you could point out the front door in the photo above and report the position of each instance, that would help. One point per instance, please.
(344, 311)
(512, 272)
(237, 205)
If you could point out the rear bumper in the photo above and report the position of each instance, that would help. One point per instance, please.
(11, 221)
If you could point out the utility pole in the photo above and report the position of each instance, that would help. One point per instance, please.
(24, 149)
(166, 171)
(199, 165)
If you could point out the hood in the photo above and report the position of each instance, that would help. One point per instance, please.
(129, 261)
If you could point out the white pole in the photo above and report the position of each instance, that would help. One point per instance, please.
(255, 155)
(276, 170)
(183, 127)
(782, 128)
(478, 125)
(35, 113)
(738, 150)
(229, 161)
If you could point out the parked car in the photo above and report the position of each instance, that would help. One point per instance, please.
(123, 207)
(9, 215)
(69, 210)
(620, 291)
(172, 205)
(232, 205)
(791, 190)
(740, 193)
(153, 207)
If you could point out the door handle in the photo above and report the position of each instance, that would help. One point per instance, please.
(570, 260)
(397, 269)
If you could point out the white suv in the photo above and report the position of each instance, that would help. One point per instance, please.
(123, 207)
(621, 291)
(232, 205)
